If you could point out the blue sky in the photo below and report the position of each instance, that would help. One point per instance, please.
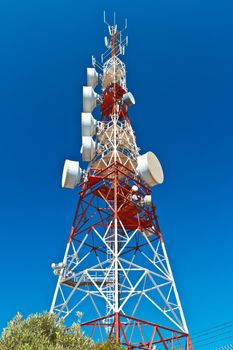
(179, 64)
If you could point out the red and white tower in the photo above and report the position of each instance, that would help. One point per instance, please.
(115, 270)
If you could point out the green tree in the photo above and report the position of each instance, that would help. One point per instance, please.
(109, 345)
(41, 332)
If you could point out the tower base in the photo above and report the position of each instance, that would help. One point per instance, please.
(134, 333)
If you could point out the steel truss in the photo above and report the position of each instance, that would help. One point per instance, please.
(149, 335)
(115, 261)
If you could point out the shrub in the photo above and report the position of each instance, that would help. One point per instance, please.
(41, 332)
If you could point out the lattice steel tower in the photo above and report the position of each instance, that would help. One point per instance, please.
(115, 268)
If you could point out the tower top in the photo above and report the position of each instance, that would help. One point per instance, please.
(115, 43)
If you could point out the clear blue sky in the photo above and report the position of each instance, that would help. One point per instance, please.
(180, 70)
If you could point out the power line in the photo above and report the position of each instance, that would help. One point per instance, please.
(211, 329)
(225, 347)
(213, 336)
(201, 338)
(215, 341)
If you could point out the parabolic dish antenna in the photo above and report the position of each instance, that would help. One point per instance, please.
(92, 77)
(88, 148)
(89, 124)
(128, 99)
(150, 169)
(71, 175)
(90, 99)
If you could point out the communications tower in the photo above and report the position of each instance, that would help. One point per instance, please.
(115, 269)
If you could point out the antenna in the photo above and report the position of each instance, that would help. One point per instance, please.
(114, 22)
(115, 44)
(105, 19)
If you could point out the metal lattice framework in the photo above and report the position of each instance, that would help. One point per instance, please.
(115, 261)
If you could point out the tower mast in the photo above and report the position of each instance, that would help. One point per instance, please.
(115, 268)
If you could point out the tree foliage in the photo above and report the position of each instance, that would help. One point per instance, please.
(109, 345)
(41, 332)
